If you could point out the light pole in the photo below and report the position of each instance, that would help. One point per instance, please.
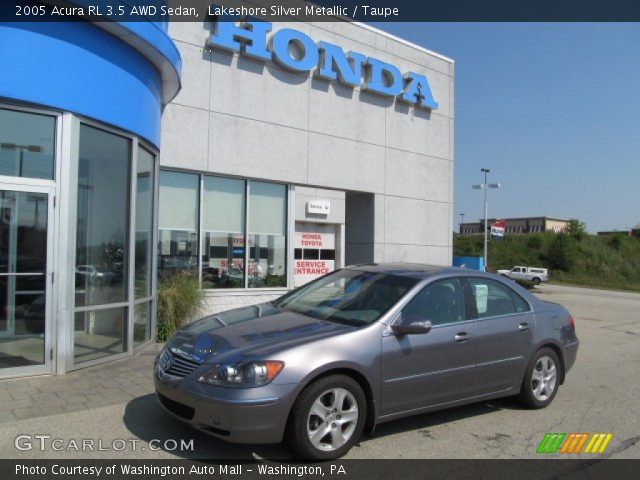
(461, 221)
(485, 186)
(21, 149)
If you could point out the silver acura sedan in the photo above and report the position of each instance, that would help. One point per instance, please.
(361, 346)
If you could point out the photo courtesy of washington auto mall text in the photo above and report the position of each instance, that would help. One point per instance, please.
(123, 469)
(359, 239)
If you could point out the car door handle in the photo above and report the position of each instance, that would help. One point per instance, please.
(523, 327)
(461, 337)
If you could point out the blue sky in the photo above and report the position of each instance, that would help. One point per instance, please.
(553, 109)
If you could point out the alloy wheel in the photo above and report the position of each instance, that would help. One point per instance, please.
(543, 379)
(332, 419)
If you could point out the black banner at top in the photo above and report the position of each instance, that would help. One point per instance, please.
(323, 10)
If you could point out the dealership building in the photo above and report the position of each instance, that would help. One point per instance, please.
(255, 156)
(518, 225)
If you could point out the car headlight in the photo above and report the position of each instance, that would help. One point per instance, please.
(243, 375)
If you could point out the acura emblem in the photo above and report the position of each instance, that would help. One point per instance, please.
(167, 361)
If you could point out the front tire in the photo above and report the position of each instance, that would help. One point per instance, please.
(541, 380)
(327, 419)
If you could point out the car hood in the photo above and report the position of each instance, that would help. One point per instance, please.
(504, 271)
(259, 329)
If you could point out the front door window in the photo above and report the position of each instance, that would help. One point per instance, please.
(439, 303)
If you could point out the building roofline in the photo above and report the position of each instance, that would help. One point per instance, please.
(517, 218)
(403, 41)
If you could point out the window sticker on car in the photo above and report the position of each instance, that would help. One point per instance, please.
(481, 294)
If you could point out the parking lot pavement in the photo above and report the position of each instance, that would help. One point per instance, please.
(600, 395)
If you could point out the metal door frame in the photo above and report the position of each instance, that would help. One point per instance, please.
(38, 186)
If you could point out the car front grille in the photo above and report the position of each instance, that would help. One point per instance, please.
(178, 366)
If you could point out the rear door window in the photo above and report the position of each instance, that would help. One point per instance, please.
(493, 298)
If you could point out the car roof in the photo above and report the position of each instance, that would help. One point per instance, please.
(412, 270)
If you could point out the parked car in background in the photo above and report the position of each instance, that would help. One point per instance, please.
(534, 275)
(362, 346)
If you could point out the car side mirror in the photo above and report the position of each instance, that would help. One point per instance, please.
(413, 328)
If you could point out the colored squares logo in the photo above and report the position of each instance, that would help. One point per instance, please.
(598, 443)
(551, 442)
(574, 443)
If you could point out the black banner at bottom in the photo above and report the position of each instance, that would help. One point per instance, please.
(340, 469)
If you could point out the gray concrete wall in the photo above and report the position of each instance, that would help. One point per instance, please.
(308, 194)
(241, 117)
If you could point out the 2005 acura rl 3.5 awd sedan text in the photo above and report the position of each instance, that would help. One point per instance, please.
(362, 346)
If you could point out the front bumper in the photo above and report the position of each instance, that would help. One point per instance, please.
(251, 415)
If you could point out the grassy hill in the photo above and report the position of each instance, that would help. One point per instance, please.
(604, 262)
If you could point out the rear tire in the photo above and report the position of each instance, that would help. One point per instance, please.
(542, 379)
(327, 418)
(536, 281)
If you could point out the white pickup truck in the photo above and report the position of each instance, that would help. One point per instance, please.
(531, 274)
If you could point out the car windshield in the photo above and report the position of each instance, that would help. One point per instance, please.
(348, 296)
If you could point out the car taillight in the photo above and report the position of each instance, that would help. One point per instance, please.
(572, 323)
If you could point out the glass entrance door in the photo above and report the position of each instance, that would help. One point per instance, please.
(25, 266)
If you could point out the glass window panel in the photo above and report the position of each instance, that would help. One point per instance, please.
(267, 208)
(223, 205)
(267, 241)
(141, 323)
(22, 321)
(23, 283)
(327, 254)
(99, 333)
(311, 254)
(103, 217)
(144, 222)
(178, 222)
(223, 260)
(223, 231)
(27, 144)
(267, 262)
(23, 232)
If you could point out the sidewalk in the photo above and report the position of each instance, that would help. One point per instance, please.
(102, 385)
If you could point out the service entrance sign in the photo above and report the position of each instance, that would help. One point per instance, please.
(315, 252)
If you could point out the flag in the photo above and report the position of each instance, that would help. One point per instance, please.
(497, 229)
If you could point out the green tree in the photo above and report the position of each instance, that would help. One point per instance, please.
(561, 252)
(576, 229)
(113, 254)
